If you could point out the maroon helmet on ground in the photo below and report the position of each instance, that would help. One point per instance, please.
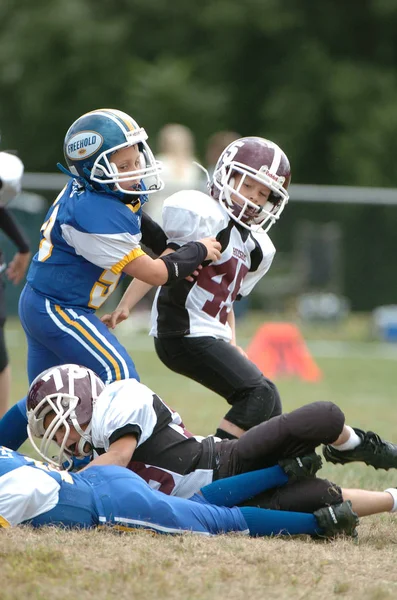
(264, 162)
(69, 391)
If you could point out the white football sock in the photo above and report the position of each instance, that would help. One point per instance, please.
(353, 441)
(393, 493)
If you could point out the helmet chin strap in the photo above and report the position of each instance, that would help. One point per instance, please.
(82, 181)
(69, 173)
(133, 200)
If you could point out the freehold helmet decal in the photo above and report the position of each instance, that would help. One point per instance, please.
(83, 144)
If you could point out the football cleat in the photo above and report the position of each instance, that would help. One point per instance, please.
(339, 519)
(372, 451)
(301, 467)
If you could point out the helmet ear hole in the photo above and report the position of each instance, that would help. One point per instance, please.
(98, 172)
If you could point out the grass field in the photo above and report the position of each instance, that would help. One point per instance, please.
(359, 375)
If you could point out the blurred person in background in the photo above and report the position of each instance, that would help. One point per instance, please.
(215, 146)
(176, 152)
(11, 172)
(89, 241)
(193, 322)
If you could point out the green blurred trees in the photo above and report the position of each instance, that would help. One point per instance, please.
(317, 77)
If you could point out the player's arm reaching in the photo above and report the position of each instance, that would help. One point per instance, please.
(182, 225)
(134, 293)
(168, 269)
(117, 248)
(119, 453)
(119, 425)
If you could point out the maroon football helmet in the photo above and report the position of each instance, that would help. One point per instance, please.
(260, 160)
(69, 391)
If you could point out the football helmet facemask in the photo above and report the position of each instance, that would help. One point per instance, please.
(93, 138)
(69, 391)
(262, 161)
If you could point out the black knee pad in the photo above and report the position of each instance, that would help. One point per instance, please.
(329, 421)
(254, 406)
(308, 495)
(315, 423)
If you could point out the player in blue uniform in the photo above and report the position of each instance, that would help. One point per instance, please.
(33, 492)
(90, 239)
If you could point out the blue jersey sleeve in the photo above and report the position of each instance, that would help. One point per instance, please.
(86, 241)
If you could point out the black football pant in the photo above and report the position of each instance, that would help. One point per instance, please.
(289, 435)
(220, 367)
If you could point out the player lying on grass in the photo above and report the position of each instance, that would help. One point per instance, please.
(35, 493)
(129, 425)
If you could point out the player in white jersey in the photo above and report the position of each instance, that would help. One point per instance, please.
(193, 323)
(127, 424)
(90, 240)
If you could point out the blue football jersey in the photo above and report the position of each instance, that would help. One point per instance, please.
(86, 241)
(29, 488)
(33, 492)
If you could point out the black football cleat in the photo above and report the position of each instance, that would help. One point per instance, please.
(339, 519)
(301, 467)
(372, 451)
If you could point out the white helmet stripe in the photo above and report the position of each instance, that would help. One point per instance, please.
(111, 116)
(276, 159)
(71, 383)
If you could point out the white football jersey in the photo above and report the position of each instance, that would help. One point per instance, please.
(167, 456)
(200, 308)
(28, 487)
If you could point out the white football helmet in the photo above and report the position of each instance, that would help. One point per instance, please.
(260, 160)
(69, 391)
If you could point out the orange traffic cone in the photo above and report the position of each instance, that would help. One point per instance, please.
(279, 349)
